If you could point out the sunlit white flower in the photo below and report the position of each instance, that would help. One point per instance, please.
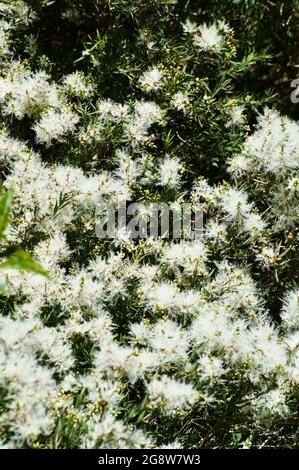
(170, 394)
(180, 101)
(208, 37)
(151, 79)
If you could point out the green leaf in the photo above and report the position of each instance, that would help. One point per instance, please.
(3, 289)
(5, 203)
(23, 261)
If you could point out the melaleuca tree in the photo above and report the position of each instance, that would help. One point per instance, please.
(150, 342)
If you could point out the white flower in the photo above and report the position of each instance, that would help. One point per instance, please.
(216, 231)
(293, 185)
(169, 172)
(239, 165)
(128, 169)
(236, 116)
(254, 224)
(290, 310)
(151, 79)
(180, 101)
(189, 27)
(272, 402)
(235, 203)
(162, 296)
(170, 394)
(169, 340)
(268, 256)
(4, 38)
(190, 255)
(76, 84)
(26, 93)
(53, 250)
(292, 341)
(104, 108)
(148, 112)
(54, 124)
(108, 433)
(210, 367)
(274, 145)
(137, 125)
(208, 37)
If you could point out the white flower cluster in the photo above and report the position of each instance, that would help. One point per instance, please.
(207, 37)
(151, 80)
(228, 325)
(76, 84)
(181, 101)
(133, 123)
(26, 93)
(4, 38)
(231, 206)
(271, 157)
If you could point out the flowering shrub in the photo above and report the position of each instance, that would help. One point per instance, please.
(149, 342)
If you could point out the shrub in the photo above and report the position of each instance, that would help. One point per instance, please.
(150, 342)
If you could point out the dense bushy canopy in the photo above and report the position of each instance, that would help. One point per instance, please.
(149, 342)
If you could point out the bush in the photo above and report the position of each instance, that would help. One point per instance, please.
(150, 342)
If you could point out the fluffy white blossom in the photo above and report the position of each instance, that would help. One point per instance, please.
(274, 145)
(290, 309)
(76, 84)
(180, 101)
(236, 114)
(208, 37)
(54, 124)
(169, 172)
(151, 79)
(23, 92)
(171, 394)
